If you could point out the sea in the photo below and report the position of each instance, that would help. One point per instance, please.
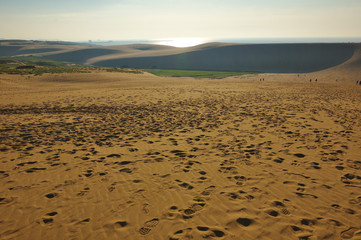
(236, 40)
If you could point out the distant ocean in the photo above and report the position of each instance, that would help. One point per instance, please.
(290, 40)
(240, 40)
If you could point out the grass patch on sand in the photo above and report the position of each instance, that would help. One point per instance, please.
(25, 65)
(35, 65)
(30, 60)
(123, 70)
(194, 73)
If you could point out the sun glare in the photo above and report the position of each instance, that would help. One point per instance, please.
(180, 42)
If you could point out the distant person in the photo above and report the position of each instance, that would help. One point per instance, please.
(310, 80)
(359, 82)
(316, 80)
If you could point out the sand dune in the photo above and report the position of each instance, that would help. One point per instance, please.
(37, 48)
(349, 70)
(135, 156)
(8, 50)
(135, 51)
(271, 58)
(32, 51)
(80, 56)
(253, 58)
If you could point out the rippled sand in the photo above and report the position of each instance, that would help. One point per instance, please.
(121, 156)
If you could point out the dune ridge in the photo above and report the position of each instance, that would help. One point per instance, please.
(271, 58)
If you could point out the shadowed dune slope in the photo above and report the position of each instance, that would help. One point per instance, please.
(283, 58)
(8, 50)
(355, 62)
(270, 58)
(349, 70)
(36, 48)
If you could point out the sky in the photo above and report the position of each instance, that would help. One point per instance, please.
(83, 20)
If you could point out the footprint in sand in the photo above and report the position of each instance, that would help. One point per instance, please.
(86, 220)
(299, 155)
(240, 180)
(349, 233)
(355, 200)
(340, 167)
(83, 192)
(4, 201)
(117, 225)
(231, 170)
(351, 179)
(308, 222)
(182, 233)
(125, 170)
(185, 185)
(111, 188)
(31, 170)
(302, 234)
(245, 222)
(199, 231)
(51, 195)
(354, 164)
(207, 191)
(279, 160)
(3, 174)
(281, 206)
(195, 207)
(208, 232)
(240, 195)
(272, 213)
(148, 226)
(172, 213)
(48, 219)
(121, 224)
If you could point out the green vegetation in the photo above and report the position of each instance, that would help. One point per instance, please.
(194, 73)
(31, 60)
(37, 66)
(123, 70)
(25, 65)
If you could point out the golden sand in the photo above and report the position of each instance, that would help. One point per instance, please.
(122, 156)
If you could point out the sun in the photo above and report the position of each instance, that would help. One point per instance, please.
(180, 42)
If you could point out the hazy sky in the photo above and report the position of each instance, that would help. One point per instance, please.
(82, 20)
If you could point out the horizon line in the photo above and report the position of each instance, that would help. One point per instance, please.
(248, 40)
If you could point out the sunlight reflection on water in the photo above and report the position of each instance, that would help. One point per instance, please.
(180, 42)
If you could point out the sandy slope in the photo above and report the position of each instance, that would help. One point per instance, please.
(276, 58)
(121, 156)
(15, 48)
(349, 70)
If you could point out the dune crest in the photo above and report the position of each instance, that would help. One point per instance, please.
(271, 58)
